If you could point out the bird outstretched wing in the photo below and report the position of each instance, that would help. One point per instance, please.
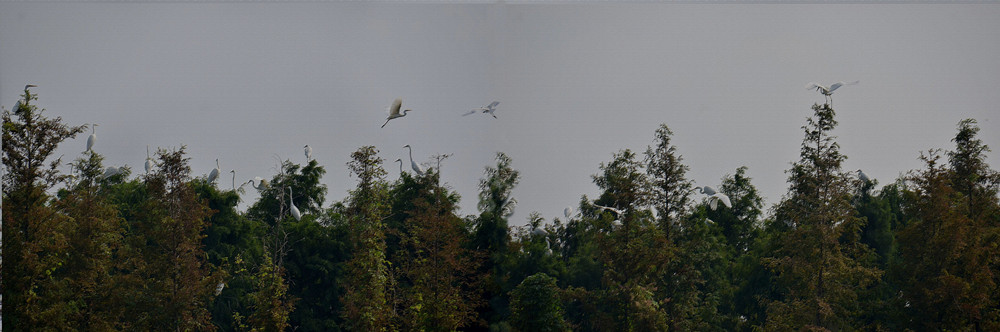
(493, 104)
(814, 85)
(396, 105)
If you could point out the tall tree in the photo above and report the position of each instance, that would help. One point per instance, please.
(34, 235)
(93, 245)
(815, 260)
(670, 190)
(434, 267)
(948, 262)
(367, 305)
(491, 235)
(635, 252)
(172, 284)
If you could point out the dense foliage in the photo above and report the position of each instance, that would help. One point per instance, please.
(101, 249)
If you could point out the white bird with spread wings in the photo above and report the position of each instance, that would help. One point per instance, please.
(492, 107)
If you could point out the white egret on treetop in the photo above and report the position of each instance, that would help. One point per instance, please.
(394, 111)
(862, 176)
(828, 91)
(400, 165)
(93, 137)
(416, 168)
(214, 174)
(234, 178)
(309, 152)
(295, 211)
(149, 161)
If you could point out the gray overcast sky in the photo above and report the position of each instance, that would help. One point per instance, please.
(249, 83)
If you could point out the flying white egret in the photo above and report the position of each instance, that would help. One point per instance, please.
(400, 165)
(257, 183)
(608, 208)
(234, 178)
(309, 152)
(93, 138)
(492, 107)
(714, 197)
(394, 111)
(416, 168)
(149, 161)
(214, 174)
(112, 171)
(714, 200)
(863, 177)
(295, 211)
(707, 190)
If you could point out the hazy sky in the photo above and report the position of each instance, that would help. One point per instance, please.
(252, 83)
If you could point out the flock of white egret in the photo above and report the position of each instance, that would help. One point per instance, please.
(394, 110)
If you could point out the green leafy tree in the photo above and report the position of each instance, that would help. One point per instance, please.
(670, 189)
(491, 234)
(170, 283)
(35, 236)
(948, 251)
(535, 305)
(367, 305)
(435, 268)
(816, 260)
(304, 182)
(93, 245)
(635, 252)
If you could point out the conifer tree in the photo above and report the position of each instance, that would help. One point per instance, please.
(367, 303)
(948, 262)
(34, 235)
(815, 260)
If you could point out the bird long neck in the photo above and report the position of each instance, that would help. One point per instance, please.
(411, 153)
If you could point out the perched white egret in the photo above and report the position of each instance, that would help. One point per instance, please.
(707, 190)
(828, 91)
(309, 152)
(218, 289)
(214, 174)
(400, 165)
(416, 168)
(538, 231)
(295, 211)
(149, 161)
(234, 178)
(394, 111)
(568, 211)
(93, 138)
(492, 107)
(862, 176)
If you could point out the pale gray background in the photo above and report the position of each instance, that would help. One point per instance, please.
(249, 83)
